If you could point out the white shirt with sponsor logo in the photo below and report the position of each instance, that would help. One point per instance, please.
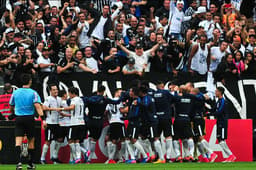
(77, 115)
(64, 121)
(52, 117)
(115, 114)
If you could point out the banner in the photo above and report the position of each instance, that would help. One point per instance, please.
(240, 94)
(4, 104)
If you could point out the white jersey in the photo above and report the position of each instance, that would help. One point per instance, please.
(64, 121)
(199, 60)
(215, 52)
(77, 115)
(52, 117)
(115, 114)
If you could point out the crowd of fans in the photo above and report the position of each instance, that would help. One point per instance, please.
(128, 36)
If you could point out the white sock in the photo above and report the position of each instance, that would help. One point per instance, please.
(140, 148)
(185, 147)
(72, 150)
(123, 151)
(207, 146)
(225, 147)
(176, 147)
(92, 149)
(159, 150)
(78, 151)
(113, 151)
(57, 148)
(191, 147)
(44, 152)
(109, 147)
(147, 146)
(130, 149)
(169, 147)
(52, 148)
(83, 150)
(86, 144)
(201, 149)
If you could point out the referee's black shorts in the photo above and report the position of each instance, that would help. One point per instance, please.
(182, 129)
(117, 131)
(25, 125)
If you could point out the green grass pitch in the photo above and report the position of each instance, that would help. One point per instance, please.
(148, 166)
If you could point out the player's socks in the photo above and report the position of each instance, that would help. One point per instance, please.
(73, 150)
(77, 151)
(130, 149)
(140, 148)
(176, 147)
(191, 147)
(147, 146)
(18, 153)
(123, 151)
(225, 148)
(185, 147)
(92, 149)
(56, 151)
(113, 151)
(52, 148)
(207, 146)
(159, 150)
(169, 146)
(109, 143)
(201, 149)
(44, 151)
(31, 153)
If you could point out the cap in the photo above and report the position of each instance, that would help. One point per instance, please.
(131, 61)
(46, 48)
(138, 46)
(9, 30)
(201, 10)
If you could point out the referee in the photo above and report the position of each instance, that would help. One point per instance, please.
(23, 103)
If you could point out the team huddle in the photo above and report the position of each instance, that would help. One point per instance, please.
(178, 114)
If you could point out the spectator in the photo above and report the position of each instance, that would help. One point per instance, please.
(130, 68)
(159, 63)
(111, 62)
(91, 62)
(238, 62)
(217, 53)
(101, 25)
(236, 45)
(44, 61)
(226, 69)
(141, 57)
(66, 65)
(250, 63)
(80, 63)
(199, 57)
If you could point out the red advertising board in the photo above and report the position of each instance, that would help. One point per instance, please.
(239, 140)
